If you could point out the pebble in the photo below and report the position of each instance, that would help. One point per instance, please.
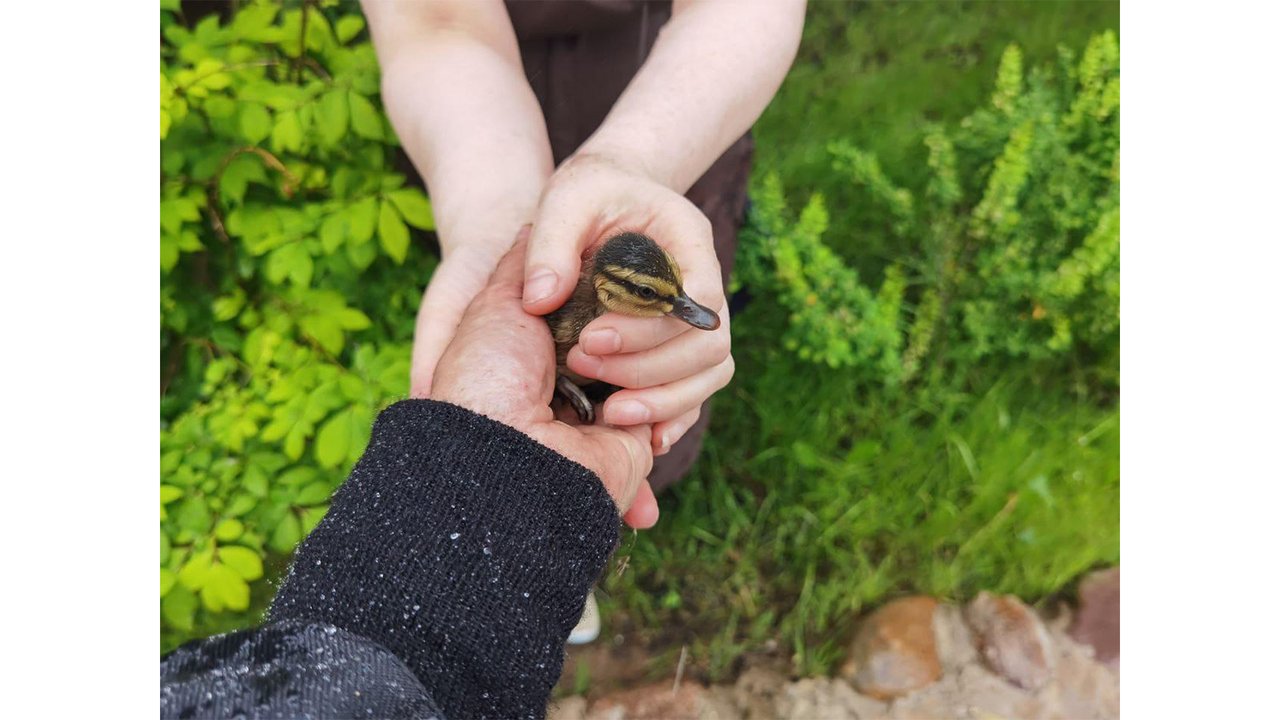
(1012, 639)
(1097, 622)
(895, 650)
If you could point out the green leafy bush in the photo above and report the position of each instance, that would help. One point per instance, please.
(1018, 233)
(937, 417)
(288, 287)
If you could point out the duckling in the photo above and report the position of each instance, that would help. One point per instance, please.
(629, 274)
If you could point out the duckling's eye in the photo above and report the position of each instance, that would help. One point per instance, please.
(647, 292)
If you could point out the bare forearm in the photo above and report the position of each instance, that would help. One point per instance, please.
(456, 94)
(711, 73)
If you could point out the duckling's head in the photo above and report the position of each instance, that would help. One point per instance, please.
(634, 276)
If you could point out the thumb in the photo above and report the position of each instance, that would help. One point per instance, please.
(554, 258)
(623, 460)
(437, 323)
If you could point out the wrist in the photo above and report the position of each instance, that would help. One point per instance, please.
(487, 228)
(625, 157)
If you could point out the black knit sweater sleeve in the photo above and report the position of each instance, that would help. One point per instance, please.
(444, 580)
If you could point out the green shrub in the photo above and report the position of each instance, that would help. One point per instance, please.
(944, 425)
(288, 287)
(1017, 231)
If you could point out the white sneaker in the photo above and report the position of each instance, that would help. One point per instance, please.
(588, 627)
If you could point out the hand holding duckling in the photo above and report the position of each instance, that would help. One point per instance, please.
(500, 363)
(665, 365)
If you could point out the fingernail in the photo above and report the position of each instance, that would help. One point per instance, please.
(604, 341)
(628, 412)
(539, 286)
(666, 439)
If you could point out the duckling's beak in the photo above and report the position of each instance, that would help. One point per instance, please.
(683, 308)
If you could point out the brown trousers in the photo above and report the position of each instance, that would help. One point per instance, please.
(579, 57)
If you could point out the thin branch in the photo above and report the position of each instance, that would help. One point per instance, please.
(302, 42)
(215, 214)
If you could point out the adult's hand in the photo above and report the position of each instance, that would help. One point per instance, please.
(666, 367)
(501, 364)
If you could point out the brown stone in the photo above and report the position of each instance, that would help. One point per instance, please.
(895, 650)
(658, 702)
(954, 639)
(1097, 623)
(1084, 689)
(1012, 639)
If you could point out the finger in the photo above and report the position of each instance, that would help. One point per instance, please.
(623, 460)
(643, 513)
(510, 270)
(613, 333)
(666, 402)
(437, 322)
(666, 434)
(685, 355)
(686, 233)
(554, 258)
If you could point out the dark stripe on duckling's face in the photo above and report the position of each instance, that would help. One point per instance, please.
(631, 292)
(635, 276)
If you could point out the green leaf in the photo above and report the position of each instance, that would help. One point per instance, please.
(332, 443)
(365, 119)
(291, 261)
(312, 517)
(169, 493)
(286, 535)
(295, 441)
(255, 122)
(313, 494)
(228, 529)
(353, 319)
(246, 562)
(414, 207)
(347, 27)
(392, 233)
(332, 232)
(195, 571)
(362, 217)
(287, 134)
(193, 514)
(225, 589)
(255, 480)
(331, 116)
(240, 505)
(178, 608)
(168, 579)
(352, 388)
(324, 330)
(362, 256)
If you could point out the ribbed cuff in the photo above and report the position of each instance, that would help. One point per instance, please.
(464, 547)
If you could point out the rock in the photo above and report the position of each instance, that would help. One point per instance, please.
(974, 692)
(1012, 639)
(756, 692)
(573, 707)
(895, 650)
(826, 699)
(954, 639)
(658, 702)
(1082, 687)
(1097, 623)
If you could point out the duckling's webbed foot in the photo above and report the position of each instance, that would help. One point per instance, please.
(576, 398)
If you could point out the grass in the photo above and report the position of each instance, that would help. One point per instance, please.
(802, 514)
